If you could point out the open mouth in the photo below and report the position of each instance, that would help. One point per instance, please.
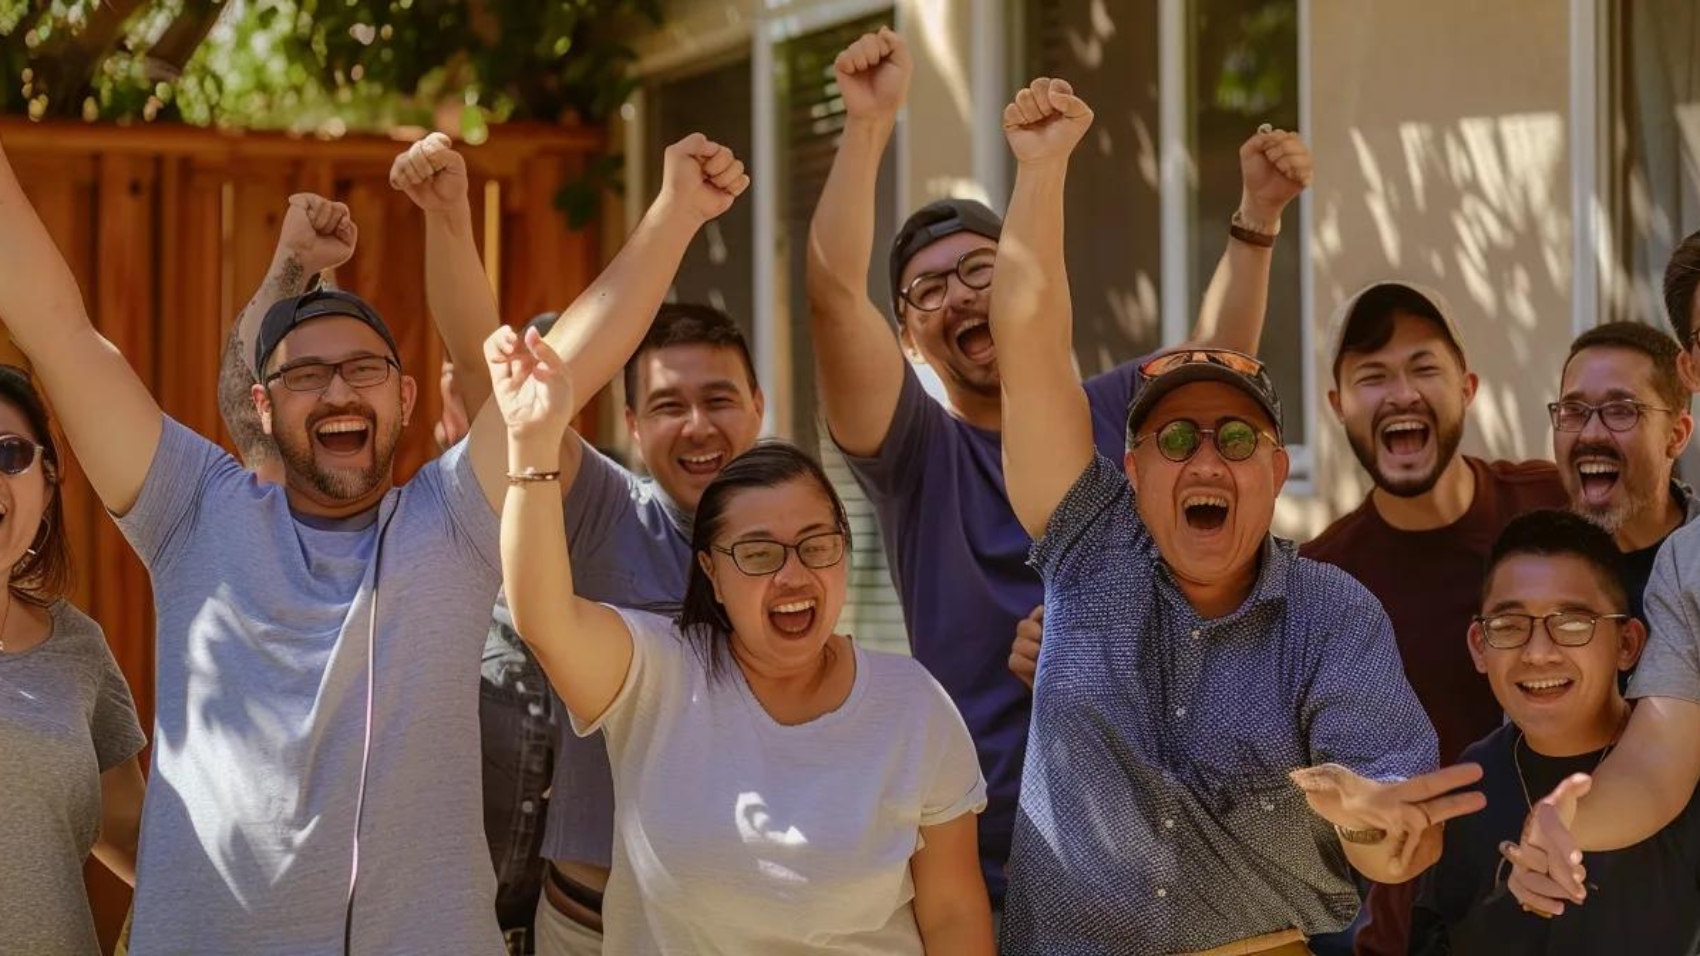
(974, 340)
(1546, 688)
(1205, 513)
(793, 617)
(1406, 438)
(342, 436)
(1597, 478)
(705, 465)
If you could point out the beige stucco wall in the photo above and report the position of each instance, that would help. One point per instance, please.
(1441, 138)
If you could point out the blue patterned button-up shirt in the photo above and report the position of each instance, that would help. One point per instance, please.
(1156, 814)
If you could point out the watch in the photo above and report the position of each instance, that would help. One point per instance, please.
(1367, 836)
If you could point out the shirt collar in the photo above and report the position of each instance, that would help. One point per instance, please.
(1270, 589)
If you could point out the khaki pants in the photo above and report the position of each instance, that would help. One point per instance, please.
(558, 934)
(1286, 942)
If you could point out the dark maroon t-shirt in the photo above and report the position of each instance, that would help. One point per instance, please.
(1430, 582)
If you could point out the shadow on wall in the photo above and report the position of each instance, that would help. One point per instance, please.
(1479, 209)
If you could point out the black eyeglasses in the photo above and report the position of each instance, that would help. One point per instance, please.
(760, 558)
(1619, 415)
(18, 454)
(928, 290)
(1566, 628)
(1236, 439)
(362, 372)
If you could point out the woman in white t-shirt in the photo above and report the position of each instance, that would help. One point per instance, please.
(778, 790)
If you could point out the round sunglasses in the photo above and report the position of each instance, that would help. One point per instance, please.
(18, 454)
(1236, 439)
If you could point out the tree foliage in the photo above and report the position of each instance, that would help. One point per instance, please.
(317, 65)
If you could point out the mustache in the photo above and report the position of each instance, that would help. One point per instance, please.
(1596, 450)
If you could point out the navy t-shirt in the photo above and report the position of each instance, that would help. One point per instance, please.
(958, 557)
(1648, 897)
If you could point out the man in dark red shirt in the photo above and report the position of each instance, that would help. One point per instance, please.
(1420, 539)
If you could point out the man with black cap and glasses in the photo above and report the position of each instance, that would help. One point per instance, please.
(315, 782)
(1193, 665)
(934, 471)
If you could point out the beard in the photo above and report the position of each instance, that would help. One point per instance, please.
(340, 484)
(1446, 437)
(1635, 498)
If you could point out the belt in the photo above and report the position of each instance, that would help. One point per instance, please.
(574, 900)
(1284, 942)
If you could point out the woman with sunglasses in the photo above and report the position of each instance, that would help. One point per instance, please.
(70, 781)
(778, 790)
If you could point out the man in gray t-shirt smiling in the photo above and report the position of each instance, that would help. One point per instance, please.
(317, 733)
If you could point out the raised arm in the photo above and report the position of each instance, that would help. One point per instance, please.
(1274, 168)
(1047, 426)
(317, 234)
(858, 364)
(113, 423)
(584, 647)
(457, 289)
(602, 328)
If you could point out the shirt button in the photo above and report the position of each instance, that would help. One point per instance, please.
(1269, 806)
(1195, 632)
(1168, 824)
(1162, 893)
(528, 807)
(1180, 711)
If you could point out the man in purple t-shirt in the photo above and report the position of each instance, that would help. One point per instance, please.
(934, 471)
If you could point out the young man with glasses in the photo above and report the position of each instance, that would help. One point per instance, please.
(1401, 391)
(1192, 665)
(1553, 636)
(934, 470)
(1618, 427)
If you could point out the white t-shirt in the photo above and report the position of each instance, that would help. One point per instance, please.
(735, 834)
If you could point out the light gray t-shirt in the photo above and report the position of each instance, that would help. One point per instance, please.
(1670, 666)
(66, 717)
(737, 834)
(630, 547)
(263, 629)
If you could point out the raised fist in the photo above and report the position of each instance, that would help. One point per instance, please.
(1274, 168)
(431, 173)
(873, 74)
(1045, 121)
(700, 179)
(318, 233)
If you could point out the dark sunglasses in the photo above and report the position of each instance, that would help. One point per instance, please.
(18, 454)
(1236, 439)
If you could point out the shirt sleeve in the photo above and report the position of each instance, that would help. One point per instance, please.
(185, 468)
(1097, 516)
(114, 726)
(1359, 710)
(468, 508)
(1670, 665)
(659, 660)
(957, 786)
(896, 467)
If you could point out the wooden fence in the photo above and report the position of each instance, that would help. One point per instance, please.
(170, 230)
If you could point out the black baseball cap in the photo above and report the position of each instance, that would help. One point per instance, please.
(286, 314)
(1169, 370)
(933, 222)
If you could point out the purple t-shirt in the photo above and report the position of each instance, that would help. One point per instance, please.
(958, 557)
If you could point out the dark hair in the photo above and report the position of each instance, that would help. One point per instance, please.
(236, 406)
(44, 574)
(702, 619)
(684, 323)
(1551, 533)
(1682, 275)
(1654, 343)
(1371, 322)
